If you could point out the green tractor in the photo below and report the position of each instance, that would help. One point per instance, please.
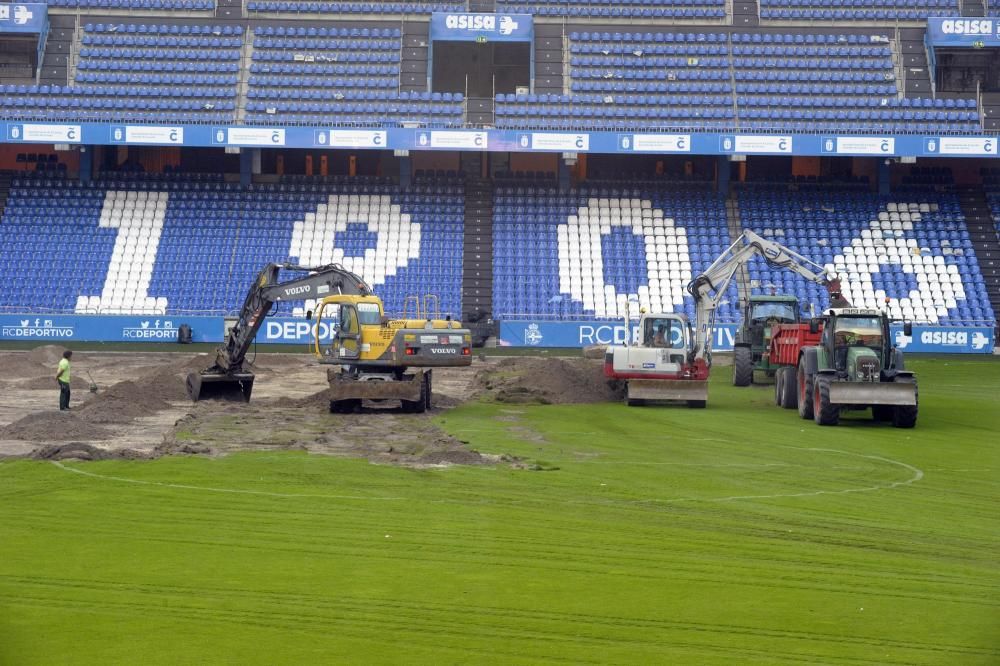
(854, 367)
(753, 338)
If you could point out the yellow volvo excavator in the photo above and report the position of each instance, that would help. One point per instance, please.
(371, 356)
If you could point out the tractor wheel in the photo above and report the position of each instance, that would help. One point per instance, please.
(697, 404)
(779, 380)
(789, 394)
(805, 387)
(905, 416)
(823, 412)
(882, 412)
(742, 367)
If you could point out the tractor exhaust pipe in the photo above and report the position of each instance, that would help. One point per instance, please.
(210, 385)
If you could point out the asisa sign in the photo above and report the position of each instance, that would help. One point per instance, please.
(969, 32)
(482, 27)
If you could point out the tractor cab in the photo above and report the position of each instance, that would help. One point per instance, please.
(857, 341)
(762, 313)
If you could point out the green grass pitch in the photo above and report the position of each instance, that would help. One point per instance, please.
(733, 535)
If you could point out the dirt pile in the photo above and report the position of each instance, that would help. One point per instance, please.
(77, 383)
(546, 381)
(53, 426)
(83, 451)
(122, 402)
(31, 363)
(168, 382)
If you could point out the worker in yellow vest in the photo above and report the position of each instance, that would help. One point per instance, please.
(63, 377)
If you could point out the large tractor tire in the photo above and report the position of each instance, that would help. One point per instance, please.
(824, 413)
(804, 384)
(789, 398)
(882, 412)
(905, 416)
(742, 366)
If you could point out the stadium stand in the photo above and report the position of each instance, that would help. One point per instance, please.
(165, 245)
(911, 247)
(337, 75)
(590, 250)
(857, 10)
(150, 5)
(312, 7)
(141, 72)
(792, 82)
(651, 9)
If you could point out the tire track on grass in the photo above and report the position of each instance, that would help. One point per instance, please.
(486, 617)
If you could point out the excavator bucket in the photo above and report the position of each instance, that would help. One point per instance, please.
(234, 387)
(668, 389)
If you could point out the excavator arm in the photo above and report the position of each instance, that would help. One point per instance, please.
(228, 378)
(709, 288)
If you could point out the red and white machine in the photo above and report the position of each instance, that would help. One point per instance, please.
(676, 366)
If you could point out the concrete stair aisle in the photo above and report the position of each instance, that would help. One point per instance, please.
(735, 226)
(983, 233)
(477, 259)
(5, 179)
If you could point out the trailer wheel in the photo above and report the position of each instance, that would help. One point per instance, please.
(742, 366)
(805, 386)
(789, 394)
(824, 413)
(905, 416)
(779, 381)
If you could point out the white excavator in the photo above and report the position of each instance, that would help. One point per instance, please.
(665, 358)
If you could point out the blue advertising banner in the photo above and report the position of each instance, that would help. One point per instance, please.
(946, 339)
(528, 333)
(925, 339)
(107, 328)
(32, 18)
(492, 140)
(962, 31)
(128, 328)
(481, 27)
(513, 333)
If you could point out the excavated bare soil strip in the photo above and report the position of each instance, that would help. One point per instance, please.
(142, 409)
(525, 380)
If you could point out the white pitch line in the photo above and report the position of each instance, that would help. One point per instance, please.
(234, 491)
(917, 475)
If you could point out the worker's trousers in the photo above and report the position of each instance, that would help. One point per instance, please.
(63, 395)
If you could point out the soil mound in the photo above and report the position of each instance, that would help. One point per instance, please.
(28, 364)
(48, 382)
(169, 382)
(523, 380)
(53, 425)
(46, 355)
(122, 402)
(456, 457)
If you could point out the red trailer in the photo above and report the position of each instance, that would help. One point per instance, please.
(787, 342)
